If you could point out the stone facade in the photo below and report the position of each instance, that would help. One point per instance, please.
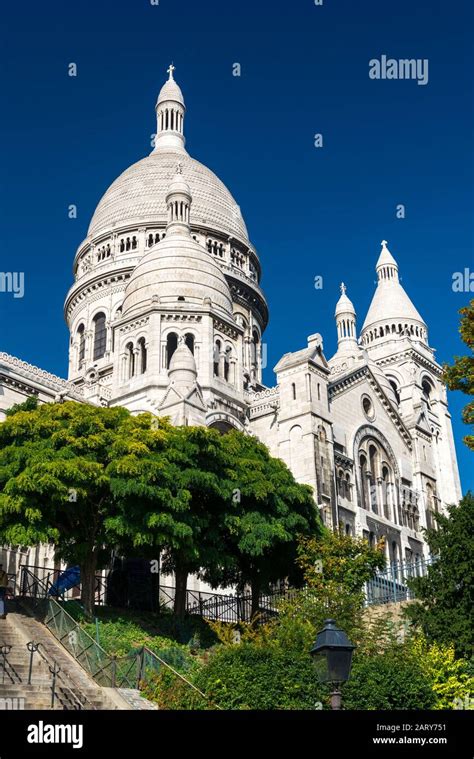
(166, 314)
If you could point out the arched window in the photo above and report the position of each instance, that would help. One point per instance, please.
(81, 334)
(293, 390)
(348, 486)
(171, 345)
(385, 491)
(427, 389)
(255, 347)
(100, 336)
(142, 354)
(394, 552)
(373, 474)
(189, 340)
(395, 390)
(364, 482)
(228, 351)
(130, 360)
(216, 357)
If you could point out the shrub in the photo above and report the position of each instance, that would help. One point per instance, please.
(393, 679)
(248, 676)
(451, 680)
(170, 692)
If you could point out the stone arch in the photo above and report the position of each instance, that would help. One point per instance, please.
(368, 432)
(224, 422)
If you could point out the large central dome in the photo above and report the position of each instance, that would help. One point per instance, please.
(138, 196)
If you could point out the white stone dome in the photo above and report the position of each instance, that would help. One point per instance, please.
(171, 91)
(177, 271)
(137, 197)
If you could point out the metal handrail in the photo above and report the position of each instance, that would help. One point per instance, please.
(64, 677)
(4, 662)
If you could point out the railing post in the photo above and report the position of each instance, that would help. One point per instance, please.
(114, 670)
(140, 661)
(55, 670)
(394, 579)
(32, 648)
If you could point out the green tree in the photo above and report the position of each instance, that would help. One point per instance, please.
(444, 609)
(30, 404)
(460, 376)
(267, 512)
(172, 498)
(54, 486)
(335, 568)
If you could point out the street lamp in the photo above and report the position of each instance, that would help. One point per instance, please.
(332, 655)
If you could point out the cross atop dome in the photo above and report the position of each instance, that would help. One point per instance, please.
(386, 260)
(170, 110)
(343, 288)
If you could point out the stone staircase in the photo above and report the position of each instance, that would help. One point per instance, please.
(74, 688)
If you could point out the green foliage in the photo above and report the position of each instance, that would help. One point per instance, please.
(54, 485)
(445, 606)
(171, 693)
(30, 404)
(392, 680)
(460, 376)
(335, 567)
(267, 514)
(247, 676)
(451, 680)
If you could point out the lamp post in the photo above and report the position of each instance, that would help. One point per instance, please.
(332, 655)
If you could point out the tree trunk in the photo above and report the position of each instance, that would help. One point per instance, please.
(88, 570)
(181, 581)
(255, 586)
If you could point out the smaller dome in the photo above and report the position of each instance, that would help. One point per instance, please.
(170, 90)
(178, 184)
(344, 305)
(177, 271)
(385, 258)
(182, 370)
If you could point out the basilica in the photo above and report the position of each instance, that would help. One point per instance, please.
(166, 314)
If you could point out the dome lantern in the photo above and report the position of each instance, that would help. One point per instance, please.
(178, 204)
(170, 110)
(345, 322)
(386, 267)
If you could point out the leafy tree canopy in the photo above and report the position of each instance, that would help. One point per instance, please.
(460, 376)
(445, 606)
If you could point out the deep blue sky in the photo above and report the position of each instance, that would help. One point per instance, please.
(308, 211)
